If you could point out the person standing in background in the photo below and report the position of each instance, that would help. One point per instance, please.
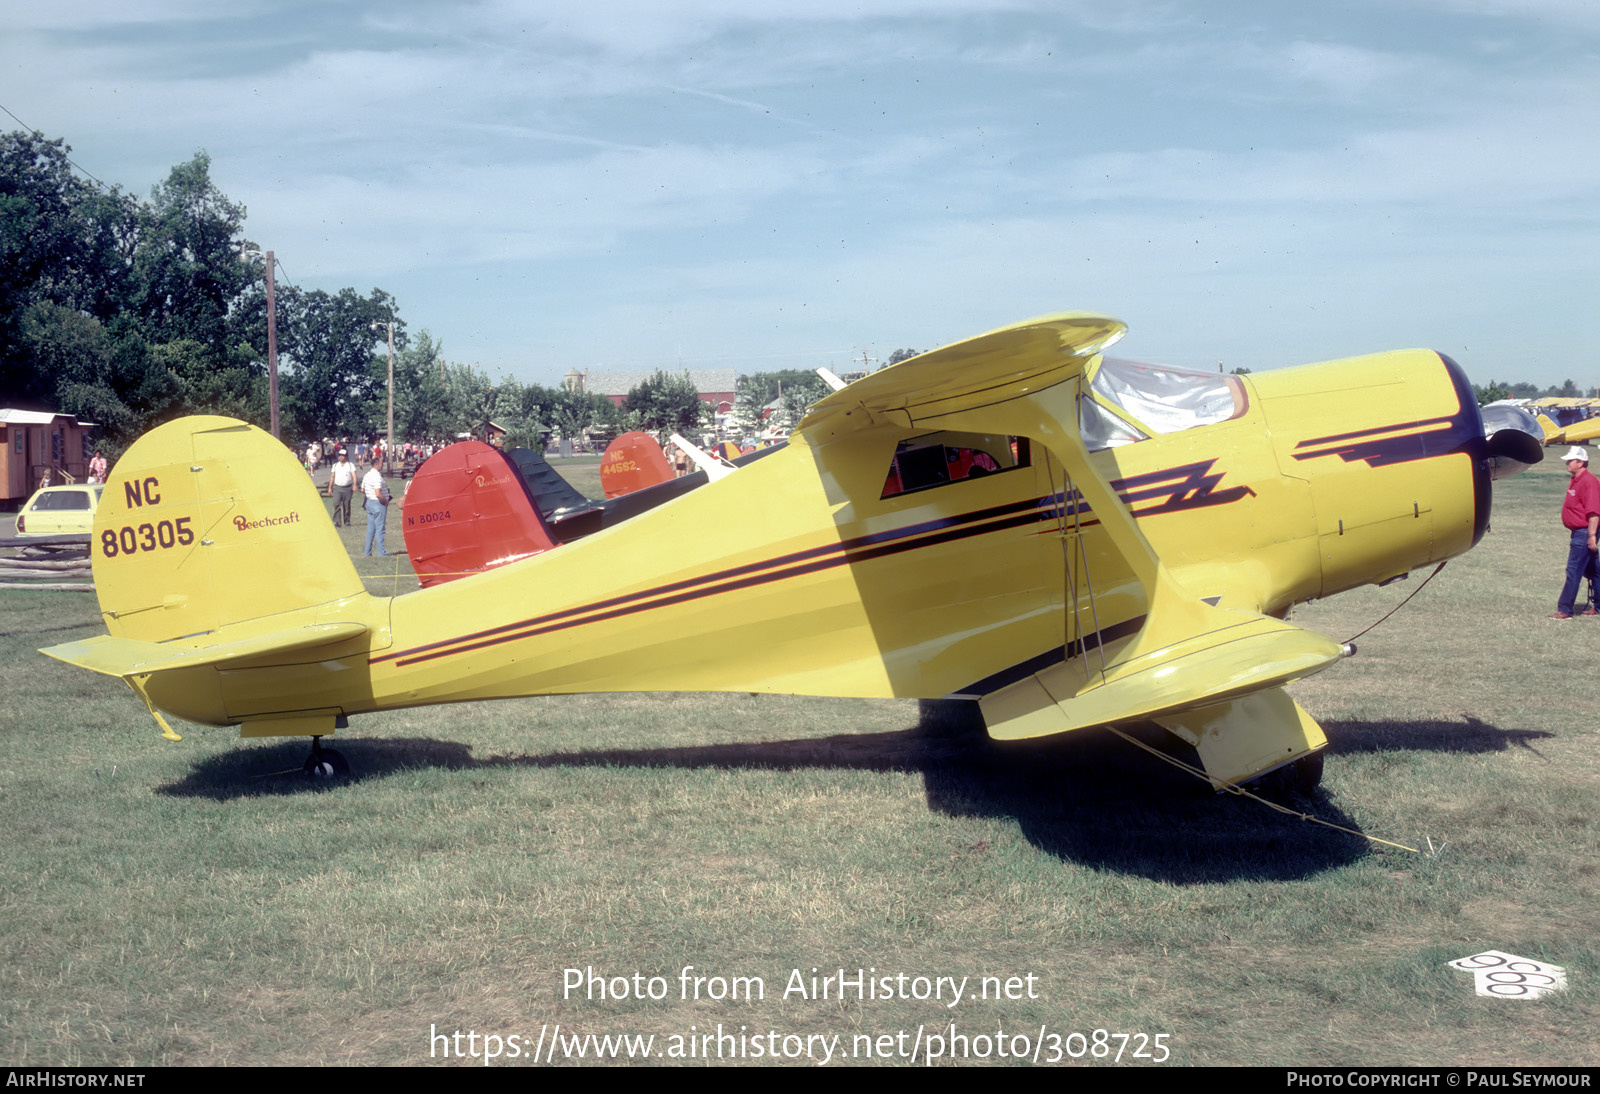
(1580, 514)
(377, 495)
(342, 485)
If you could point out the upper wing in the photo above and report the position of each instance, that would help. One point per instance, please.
(999, 365)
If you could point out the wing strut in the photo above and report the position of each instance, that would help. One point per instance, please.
(1075, 562)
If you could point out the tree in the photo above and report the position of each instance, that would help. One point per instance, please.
(187, 267)
(902, 355)
(419, 401)
(767, 386)
(339, 380)
(798, 397)
(468, 400)
(128, 312)
(1492, 392)
(749, 410)
(667, 403)
(59, 244)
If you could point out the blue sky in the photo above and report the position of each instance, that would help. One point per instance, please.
(715, 183)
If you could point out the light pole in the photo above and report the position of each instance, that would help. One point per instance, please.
(272, 339)
(388, 439)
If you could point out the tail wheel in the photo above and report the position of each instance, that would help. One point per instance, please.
(326, 764)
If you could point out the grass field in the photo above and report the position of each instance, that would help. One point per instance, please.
(200, 903)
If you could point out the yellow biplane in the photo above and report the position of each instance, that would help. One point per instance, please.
(1070, 539)
(1567, 421)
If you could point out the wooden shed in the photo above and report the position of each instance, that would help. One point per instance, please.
(36, 442)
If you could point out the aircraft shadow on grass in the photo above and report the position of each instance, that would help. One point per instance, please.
(1439, 735)
(1088, 797)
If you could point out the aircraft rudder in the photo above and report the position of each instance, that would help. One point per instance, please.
(207, 521)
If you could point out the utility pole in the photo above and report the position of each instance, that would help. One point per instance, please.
(272, 344)
(272, 335)
(388, 440)
(865, 365)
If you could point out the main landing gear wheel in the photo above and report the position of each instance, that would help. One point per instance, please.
(1293, 780)
(1307, 771)
(325, 764)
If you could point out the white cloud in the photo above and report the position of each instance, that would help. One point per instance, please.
(799, 173)
(1576, 14)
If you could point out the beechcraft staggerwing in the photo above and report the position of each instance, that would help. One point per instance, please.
(1070, 539)
(1566, 424)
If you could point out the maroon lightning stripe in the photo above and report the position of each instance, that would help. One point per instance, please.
(795, 564)
(1382, 445)
(1184, 487)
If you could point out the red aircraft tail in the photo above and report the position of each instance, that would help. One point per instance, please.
(469, 510)
(632, 462)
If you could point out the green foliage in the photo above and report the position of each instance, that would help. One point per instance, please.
(768, 386)
(1491, 392)
(60, 243)
(419, 389)
(793, 389)
(128, 312)
(668, 402)
(749, 408)
(1500, 389)
(187, 271)
(340, 364)
(468, 400)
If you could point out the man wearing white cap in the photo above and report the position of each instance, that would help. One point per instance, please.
(1580, 512)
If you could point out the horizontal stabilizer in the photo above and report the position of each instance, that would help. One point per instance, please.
(1220, 664)
(127, 657)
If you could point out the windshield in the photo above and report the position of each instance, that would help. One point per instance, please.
(1130, 401)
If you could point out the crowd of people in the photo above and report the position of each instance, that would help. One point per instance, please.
(406, 454)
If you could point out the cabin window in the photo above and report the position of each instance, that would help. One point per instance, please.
(1128, 401)
(939, 459)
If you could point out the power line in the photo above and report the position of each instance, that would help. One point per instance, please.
(69, 159)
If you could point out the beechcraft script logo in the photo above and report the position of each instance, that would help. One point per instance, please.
(245, 524)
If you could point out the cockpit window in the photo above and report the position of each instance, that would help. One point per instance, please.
(939, 459)
(1128, 401)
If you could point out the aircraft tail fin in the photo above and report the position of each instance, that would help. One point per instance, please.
(1553, 433)
(208, 521)
(468, 510)
(631, 463)
(550, 491)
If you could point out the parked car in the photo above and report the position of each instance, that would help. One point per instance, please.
(60, 511)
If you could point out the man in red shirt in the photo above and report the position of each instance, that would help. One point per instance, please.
(1581, 514)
